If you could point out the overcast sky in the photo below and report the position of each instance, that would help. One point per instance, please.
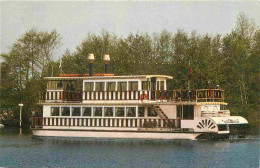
(73, 20)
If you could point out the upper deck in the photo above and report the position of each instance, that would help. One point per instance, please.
(107, 88)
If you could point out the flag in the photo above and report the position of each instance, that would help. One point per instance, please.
(190, 72)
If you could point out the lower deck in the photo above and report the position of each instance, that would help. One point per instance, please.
(119, 124)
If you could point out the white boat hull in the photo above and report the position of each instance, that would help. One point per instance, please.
(114, 134)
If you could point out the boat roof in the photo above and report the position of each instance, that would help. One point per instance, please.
(102, 76)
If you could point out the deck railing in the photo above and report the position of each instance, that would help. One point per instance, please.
(168, 95)
(39, 122)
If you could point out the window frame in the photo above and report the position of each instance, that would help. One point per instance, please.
(107, 86)
(69, 111)
(126, 111)
(130, 85)
(91, 112)
(123, 114)
(143, 111)
(72, 111)
(151, 110)
(55, 107)
(105, 111)
(119, 85)
(100, 89)
(91, 90)
(102, 114)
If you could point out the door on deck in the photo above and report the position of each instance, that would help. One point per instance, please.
(153, 88)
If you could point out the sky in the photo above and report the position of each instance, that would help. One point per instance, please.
(73, 20)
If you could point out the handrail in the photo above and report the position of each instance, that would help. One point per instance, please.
(40, 122)
(168, 95)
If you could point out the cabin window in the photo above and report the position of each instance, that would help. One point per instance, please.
(145, 85)
(222, 128)
(108, 111)
(89, 86)
(131, 111)
(100, 86)
(205, 108)
(86, 111)
(111, 86)
(120, 111)
(55, 111)
(162, 85)
(185, 112)
(141, 111)
(151, 112)
(75, 111)
(97, 111)
(215, 108)
(179, 111)
(55, 85)
(65, 111)
(158, 87)
(121, 86)
(133, 86)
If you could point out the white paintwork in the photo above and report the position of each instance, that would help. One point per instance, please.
(169, 110)
(133, 135)
(193, 124)
(230, 120)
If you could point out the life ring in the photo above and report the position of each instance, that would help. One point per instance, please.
(143, 96)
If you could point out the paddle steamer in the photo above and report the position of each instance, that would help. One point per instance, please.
(133, 106)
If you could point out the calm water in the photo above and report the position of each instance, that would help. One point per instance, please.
(28, 151)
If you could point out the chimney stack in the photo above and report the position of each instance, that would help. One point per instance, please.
(106, 60)
(90, 59)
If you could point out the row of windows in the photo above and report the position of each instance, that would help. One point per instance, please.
(103, 111)
(121, 86)
(111, 86)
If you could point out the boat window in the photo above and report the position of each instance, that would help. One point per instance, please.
(162, 85)
(65, 111)
(131, 111)
(97, 111)
(151, 112)
(141, 111)
(205, 108)
(222, 128)
(108, 111)
(157, 87)
(145, 85)
(55, 111)
(100, 86)
(75, 111)
(133, 86)
(121, 86)
(120, 111)
(89, 86)
(215, 108)
(111, 86)
(86, 111)
(188, 112)
(179, 111)
(54, 85)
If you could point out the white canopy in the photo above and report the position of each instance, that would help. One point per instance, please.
(230, 120)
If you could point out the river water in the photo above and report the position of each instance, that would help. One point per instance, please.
(28, 151)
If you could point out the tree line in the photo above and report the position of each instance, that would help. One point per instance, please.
(230, 61)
